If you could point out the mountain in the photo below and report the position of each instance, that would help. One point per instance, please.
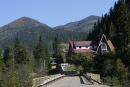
(28, 31)
(25, 28)
(84, 25)
(24, 21)
(20, 25)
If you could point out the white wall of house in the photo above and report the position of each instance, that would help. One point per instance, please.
(77, 48)
(89, 47)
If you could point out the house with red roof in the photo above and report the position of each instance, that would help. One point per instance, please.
(101, 45)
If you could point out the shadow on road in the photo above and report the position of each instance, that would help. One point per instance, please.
(81, 80)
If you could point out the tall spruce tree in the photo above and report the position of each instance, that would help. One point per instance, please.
(2, 69)
(128, 3)
(20, 53)
(8, 57)
(112, 30)
(17, 76)
(122, 72)
(56, 51)
(122, 22)
(40, 56)
(116, 25)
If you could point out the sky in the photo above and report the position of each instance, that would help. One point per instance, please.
(52, 12)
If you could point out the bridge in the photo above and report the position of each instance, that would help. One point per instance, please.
(69, 81)
(73, 81)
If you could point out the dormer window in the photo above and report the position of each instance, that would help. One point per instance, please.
(89, 47)
(104, 48)
(95, 47)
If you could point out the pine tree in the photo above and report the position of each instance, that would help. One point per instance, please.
(16, 58)
(10, 73)
(122, 24)
(20, 53)
(8, 57)
(128, 3)
(56, 51)
(2, 69)
(112, 30)
(116, 25)
(55, 48)
(122, 71)
(40, 56)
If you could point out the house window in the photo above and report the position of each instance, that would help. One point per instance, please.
(104, 48)
(95, 47)
(89, 47)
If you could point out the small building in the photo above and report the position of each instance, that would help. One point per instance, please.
(101, 45)
(53, 65)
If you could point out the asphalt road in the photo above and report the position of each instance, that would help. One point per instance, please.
(73, 81)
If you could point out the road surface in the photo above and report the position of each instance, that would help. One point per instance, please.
(72, 81)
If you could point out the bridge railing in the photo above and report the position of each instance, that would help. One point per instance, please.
(39, 82)
(93, 78)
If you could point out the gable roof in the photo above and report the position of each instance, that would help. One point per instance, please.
(96, 42)
(103, 36)
(111, 46)
(80, 43)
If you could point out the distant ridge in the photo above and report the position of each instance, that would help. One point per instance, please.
(84, 25)
(24, 21)
(25, 28)
(28, 31)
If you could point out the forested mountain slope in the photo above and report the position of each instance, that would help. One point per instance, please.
(28, 31)
(84, 25)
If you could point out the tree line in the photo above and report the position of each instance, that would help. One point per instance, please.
(115, 24)
(18, 65)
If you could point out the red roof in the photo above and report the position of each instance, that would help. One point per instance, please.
(94, 43)
(80, 43)
(111, 45)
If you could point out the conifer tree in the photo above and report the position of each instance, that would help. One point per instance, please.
(8, 57)
(128, 3)
(40, 56)
(20, 53)
(2, 71)
(116, 25)
(112, 30)
(123, 24)
(56, 51)
(122, 71)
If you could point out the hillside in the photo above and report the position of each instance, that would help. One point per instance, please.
(25, 28)
(84, 25)
(28, 31)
